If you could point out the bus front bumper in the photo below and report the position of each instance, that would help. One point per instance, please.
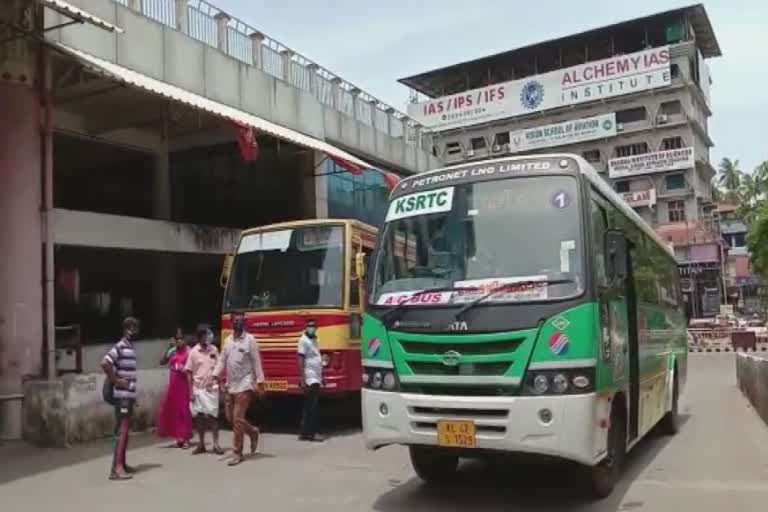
(508, 424)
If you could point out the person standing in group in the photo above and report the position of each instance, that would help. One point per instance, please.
(241, 363)
(174, 419)
(172, 344)
(119, 365)
(203, 397)
(310, 380)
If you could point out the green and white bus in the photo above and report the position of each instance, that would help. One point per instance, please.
(519, 305)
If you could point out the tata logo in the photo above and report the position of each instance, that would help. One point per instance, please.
(459, 325)
(451, 358)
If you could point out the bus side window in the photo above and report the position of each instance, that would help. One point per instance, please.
(599, 225)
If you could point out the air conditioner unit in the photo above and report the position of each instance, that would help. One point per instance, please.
(662, 119)
(496, 148)
(619, 127)
(470, 153)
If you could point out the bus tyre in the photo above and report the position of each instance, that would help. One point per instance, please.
(433, 465)
(670, 423)
(603, 477)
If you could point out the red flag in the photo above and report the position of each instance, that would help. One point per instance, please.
(346, 164)
(246, 139)
(391, 179)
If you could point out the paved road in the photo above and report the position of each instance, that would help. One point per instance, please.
(718, 462)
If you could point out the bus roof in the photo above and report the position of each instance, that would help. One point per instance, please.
(308, 222)
(584, 168)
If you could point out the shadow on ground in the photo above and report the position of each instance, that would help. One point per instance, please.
(513, 484)
(282, 415)
(19, 460)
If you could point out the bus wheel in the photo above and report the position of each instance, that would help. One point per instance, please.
(670, 423)
(433, 465)
(603, 477)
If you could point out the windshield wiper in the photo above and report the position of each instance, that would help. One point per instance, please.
(394, 309)
(504, 287)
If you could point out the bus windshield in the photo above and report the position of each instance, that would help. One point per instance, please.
(478, 237)
(288, 268)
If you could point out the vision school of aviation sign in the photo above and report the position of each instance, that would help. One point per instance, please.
(568, 132)
(649, 163)
(616, 76)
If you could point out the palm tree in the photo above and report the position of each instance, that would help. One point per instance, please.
(730, 178)
(750, 193)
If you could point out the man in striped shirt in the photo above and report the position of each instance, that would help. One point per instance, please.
(119, 365)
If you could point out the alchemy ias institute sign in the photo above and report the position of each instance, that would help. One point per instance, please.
(616, 76)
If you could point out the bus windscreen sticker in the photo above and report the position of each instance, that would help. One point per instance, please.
(561, 199)
(421, 203)
(566, 246)
(518, 289)
(397, 298)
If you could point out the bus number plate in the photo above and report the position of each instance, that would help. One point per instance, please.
(276, 385)
(456, 434)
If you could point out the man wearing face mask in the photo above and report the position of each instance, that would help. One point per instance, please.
(310, 380)
(119, 365)
(241, 361)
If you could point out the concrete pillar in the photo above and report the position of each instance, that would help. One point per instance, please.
(417, 134)
(287, 56)
(336, 90)
(312, 70)
(390, 114)
(257, 39)
(165, 292)
(21, 293)
(373, 104)
(161, 186)
(355, 92)
(136, 5)
(222, 31)
(182, 16)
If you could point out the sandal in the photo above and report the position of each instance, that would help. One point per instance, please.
(255, 442)
(200, 449)
(237, 459)
(218, 450)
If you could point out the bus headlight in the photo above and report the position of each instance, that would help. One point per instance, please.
(540, 384)
(559, 382)
(326, 360)
(380, 379)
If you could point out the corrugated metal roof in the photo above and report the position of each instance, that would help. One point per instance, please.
(135, 79)
(78, 14)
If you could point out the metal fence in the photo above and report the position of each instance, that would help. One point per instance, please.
(204, 21)
(752, 377)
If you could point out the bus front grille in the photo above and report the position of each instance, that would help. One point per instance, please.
(470, 349)
(464, 369)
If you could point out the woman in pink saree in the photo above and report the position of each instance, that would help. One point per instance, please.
(175, 419)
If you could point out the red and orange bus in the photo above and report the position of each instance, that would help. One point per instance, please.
(282, 274)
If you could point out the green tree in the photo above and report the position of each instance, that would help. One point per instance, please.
(750, 194)
(757, 241)
(730, 179)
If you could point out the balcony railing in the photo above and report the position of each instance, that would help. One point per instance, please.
(208, 24)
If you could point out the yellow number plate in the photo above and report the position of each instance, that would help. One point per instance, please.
(456, 434)
(276, 385)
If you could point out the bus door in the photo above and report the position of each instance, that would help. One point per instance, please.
(633, 346)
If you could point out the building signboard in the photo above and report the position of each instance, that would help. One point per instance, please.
(648, 163)
(558, 134)
(601, 79)
(640, 198)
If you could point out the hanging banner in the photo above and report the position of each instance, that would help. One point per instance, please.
(648, 163)
(568, 132)
(640, 197)
(615, 76)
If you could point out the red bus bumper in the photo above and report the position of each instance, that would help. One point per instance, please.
(342, 374)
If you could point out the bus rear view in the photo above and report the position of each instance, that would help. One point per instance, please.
(499, 319)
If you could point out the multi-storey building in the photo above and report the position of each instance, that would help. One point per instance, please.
(632, 98)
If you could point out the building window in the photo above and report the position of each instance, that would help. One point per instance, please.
(676, 211)
(631, 115)
(357, 196)
(501, 138)
(675, 181)
(638, 148)
(671, 143)
(622, 186)
(593, 156)
(674, 70)
(671, 108)
(453, 148)
(478, 143)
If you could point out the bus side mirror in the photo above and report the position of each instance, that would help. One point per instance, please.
(360, 265)
(225, 270)
(615, 254)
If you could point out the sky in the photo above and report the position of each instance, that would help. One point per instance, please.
(373, 44)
